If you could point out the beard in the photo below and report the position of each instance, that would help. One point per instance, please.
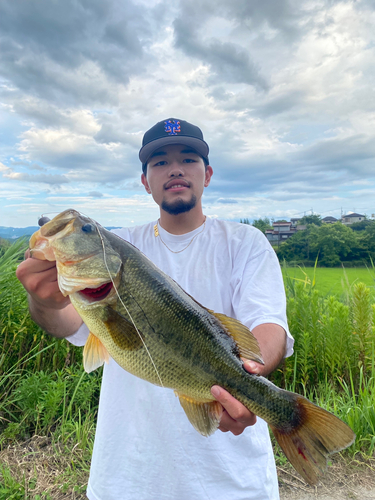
(179, 206)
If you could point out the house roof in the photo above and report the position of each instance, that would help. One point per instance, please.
(353, 215)
(329, 218)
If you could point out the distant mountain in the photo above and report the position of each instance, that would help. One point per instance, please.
(12, 233)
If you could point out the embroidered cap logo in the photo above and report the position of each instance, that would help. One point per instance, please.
(171, 127)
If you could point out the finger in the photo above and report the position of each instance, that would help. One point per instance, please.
(236, 410)
(253, 367)
(227, 424)
(49, 295)
(35, 266)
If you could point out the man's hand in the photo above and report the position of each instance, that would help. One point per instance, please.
(48, 307)
(39, 277)
(236, 417)
(272, 343)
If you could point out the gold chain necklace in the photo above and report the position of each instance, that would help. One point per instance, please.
(156, 233)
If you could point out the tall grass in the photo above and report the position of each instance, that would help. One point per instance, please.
(334, 360)
(334, 339)
(44, 390)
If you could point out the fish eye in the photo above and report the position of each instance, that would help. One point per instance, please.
(87, 228)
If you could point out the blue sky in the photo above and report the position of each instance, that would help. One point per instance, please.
(283, 91)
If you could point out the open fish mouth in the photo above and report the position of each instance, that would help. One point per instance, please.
(99, 293)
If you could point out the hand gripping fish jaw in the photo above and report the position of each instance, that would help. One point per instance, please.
(61, 240)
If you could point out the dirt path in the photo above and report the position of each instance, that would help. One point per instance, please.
(353, 480)
(58, 470)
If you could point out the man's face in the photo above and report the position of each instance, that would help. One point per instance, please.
(176, 177)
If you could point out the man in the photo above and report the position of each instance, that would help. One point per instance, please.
(145, 448)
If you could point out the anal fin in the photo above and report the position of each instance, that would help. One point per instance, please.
(203, 416)
(94, 354)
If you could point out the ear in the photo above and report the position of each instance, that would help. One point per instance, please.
(145, 183)
(208, 174)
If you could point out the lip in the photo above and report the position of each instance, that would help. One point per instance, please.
(176, 184)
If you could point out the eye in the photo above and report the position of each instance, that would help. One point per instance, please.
(87, 228)
(189, 160)
(160, 163)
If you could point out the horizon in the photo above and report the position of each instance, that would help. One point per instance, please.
(241, 220)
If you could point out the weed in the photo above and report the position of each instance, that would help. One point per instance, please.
(10, 488)
(44, 390)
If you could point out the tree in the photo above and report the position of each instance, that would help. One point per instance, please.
(4, 245)
(310, 219)
(334, 243)
(296, 247)
(331, 243)
(367, 241)
(362, 225)
(262, 224)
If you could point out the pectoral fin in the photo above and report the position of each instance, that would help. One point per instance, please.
(94, 354)
(245, 340)
(122, 331)
(204, 417)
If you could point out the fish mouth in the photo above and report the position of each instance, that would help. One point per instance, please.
(41, 242)
(99, 293)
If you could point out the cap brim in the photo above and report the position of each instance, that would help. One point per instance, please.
(198, 145)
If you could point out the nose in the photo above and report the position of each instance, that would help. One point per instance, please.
(176, 169)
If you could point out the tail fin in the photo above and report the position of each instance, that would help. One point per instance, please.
(317, 435)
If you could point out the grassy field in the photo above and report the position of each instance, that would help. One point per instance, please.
(332, 281)
(48, 404)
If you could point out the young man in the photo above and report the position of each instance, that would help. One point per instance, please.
(145, 448)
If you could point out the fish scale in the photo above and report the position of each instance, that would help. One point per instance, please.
(189, 348)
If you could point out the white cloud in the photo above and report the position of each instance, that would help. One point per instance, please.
(283, 91)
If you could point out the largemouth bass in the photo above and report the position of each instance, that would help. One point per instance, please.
(156, 331)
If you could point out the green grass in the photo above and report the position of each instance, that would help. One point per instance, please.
(45, 394)
(332, 281)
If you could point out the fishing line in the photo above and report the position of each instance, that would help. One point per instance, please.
(149, 354)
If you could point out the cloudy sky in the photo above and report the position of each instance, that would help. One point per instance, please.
(282, 89)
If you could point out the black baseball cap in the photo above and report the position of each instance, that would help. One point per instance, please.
(172, 131)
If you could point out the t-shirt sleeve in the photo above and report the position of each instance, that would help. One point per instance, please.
(80, 336)
(258, 287)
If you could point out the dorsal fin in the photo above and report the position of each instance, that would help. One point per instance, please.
(246, 342)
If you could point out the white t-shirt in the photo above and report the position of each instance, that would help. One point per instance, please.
(145, 448)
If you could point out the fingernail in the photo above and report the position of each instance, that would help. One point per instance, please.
(215, 391)
(251, 366)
